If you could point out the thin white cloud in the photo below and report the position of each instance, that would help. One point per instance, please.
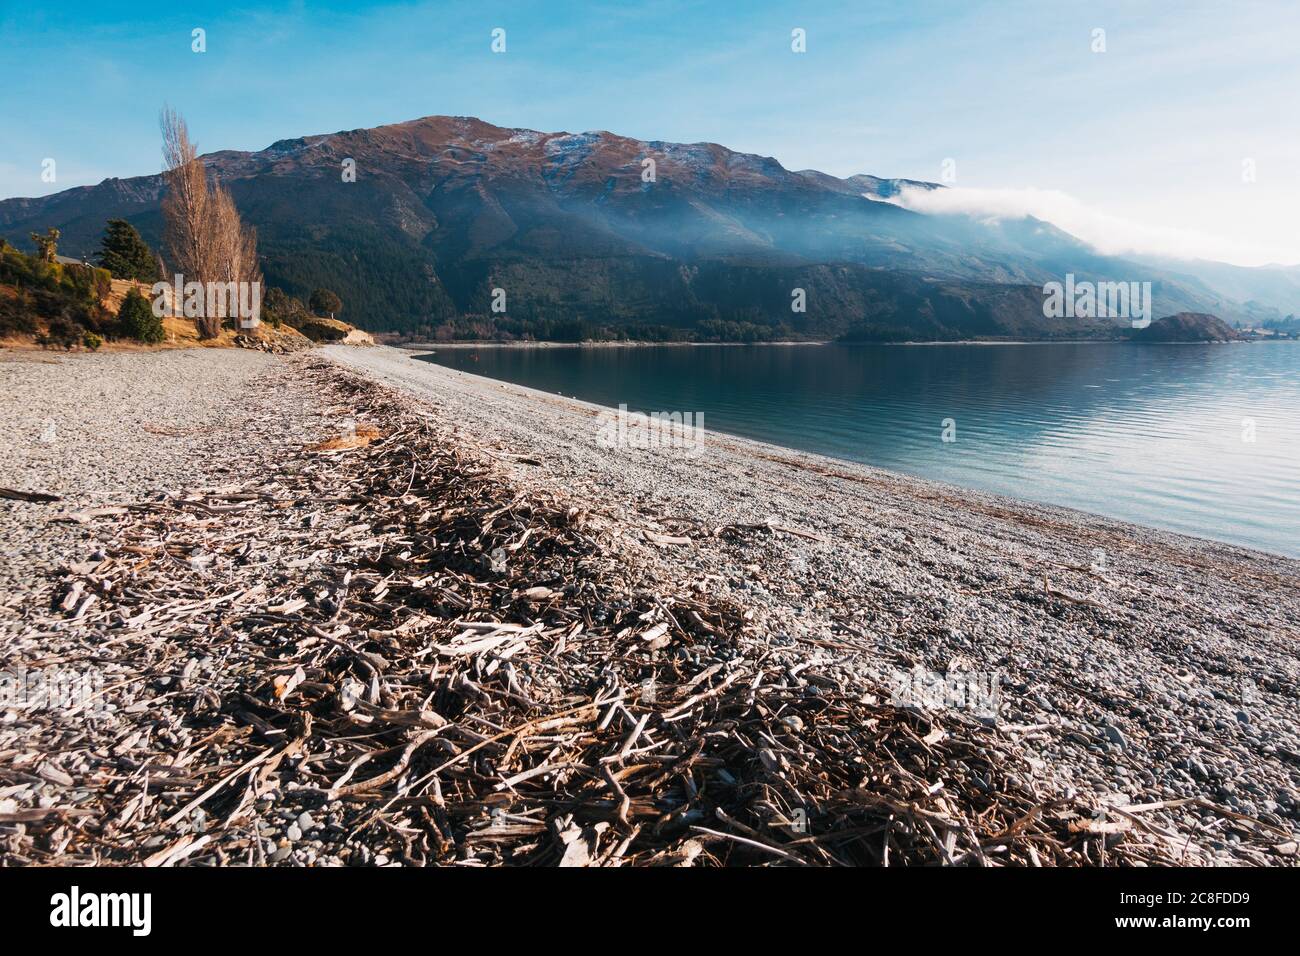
(1107, 233)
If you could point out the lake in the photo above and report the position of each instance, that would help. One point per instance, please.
(1201, 439)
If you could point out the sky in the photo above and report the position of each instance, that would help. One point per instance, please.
(1181, 137)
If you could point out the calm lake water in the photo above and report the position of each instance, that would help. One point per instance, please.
(1152, 434)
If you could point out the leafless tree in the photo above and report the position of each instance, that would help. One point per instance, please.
(208, 241)
(185, 208)
(234, 243)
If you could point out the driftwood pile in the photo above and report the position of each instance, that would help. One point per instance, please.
(389, 644)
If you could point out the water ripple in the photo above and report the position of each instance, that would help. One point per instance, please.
(1200, 439)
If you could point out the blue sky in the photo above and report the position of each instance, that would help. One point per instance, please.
(1141, 146)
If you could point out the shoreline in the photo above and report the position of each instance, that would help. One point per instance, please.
(542, 344)
(632, 344)
(434, 346)
(831, 460)
(817, 462)
(1164, 674)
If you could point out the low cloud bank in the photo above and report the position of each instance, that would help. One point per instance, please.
(1108, 234)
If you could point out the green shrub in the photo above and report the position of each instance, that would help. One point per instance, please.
(60, 332)
(87, 284)
(63, 296)
(19, 269)
(136, 319)
(279, 307)
(92, 341)
(17, 316)
(324, 302)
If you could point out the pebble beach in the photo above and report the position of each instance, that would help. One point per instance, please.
(1133, 669)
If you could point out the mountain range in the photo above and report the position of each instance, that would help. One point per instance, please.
(595, 230)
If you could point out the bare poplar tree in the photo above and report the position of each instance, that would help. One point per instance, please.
(208, 241)
(234, 244)
(185, 208)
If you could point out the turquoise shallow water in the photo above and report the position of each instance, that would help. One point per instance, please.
(1158, 435)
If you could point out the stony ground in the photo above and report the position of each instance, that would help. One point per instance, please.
(100, 429)
(1135, 667)
(1134, 664)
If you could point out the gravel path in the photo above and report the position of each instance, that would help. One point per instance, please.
(1134, 664)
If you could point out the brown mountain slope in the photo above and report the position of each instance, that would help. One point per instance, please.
(595, 229)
